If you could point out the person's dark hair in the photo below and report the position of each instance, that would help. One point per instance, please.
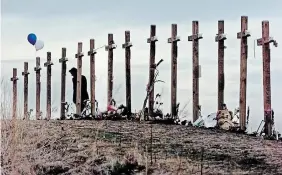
(73, 70)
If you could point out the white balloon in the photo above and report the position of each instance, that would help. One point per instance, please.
(39, 45)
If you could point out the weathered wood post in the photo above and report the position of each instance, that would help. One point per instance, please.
(110, 47)
(14, 79)
(127, 46)
(92, 53)
(195, 37)
(173, 40)
(79, 56)
(25, 74)
(63, 60)
(243, 36)
(152, 40)
(264, 42)
(48, 65)
(220, 37)
(37, 69)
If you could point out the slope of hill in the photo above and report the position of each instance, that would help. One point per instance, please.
(121, 147)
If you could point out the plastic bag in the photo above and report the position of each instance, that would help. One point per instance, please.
(210, 121)
(206, 121)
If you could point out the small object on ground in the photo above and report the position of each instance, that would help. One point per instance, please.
(224, 119)
(208, 121)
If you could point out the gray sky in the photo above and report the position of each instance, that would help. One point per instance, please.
(141, 11)
(64, 23)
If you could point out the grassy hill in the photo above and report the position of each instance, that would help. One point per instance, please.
(123, 147)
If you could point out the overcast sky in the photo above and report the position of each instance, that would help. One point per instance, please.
(64, 23)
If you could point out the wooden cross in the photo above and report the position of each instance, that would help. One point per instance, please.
(110, 47)
(14, 79)
(174, 52)
(220, 38)
(48, 65)
(79, 56)
(194, 38)
(63, 60)
(92, 53)
(243, 36)
(127, 45)
(37, 69)
(25, 73)
(264, 42)
(152, 41)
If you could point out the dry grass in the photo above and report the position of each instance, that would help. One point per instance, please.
(99, 147)
(51, 149)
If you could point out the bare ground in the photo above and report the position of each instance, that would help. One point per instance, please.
(95, 147)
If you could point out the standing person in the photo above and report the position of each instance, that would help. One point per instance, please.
(84, 93)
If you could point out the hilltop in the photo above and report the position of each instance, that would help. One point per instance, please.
(98, 147)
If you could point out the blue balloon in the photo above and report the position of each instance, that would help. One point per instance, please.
(32, 38)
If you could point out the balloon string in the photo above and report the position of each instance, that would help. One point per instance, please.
(100, 47)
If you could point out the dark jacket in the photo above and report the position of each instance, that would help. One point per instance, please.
(84, 93)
